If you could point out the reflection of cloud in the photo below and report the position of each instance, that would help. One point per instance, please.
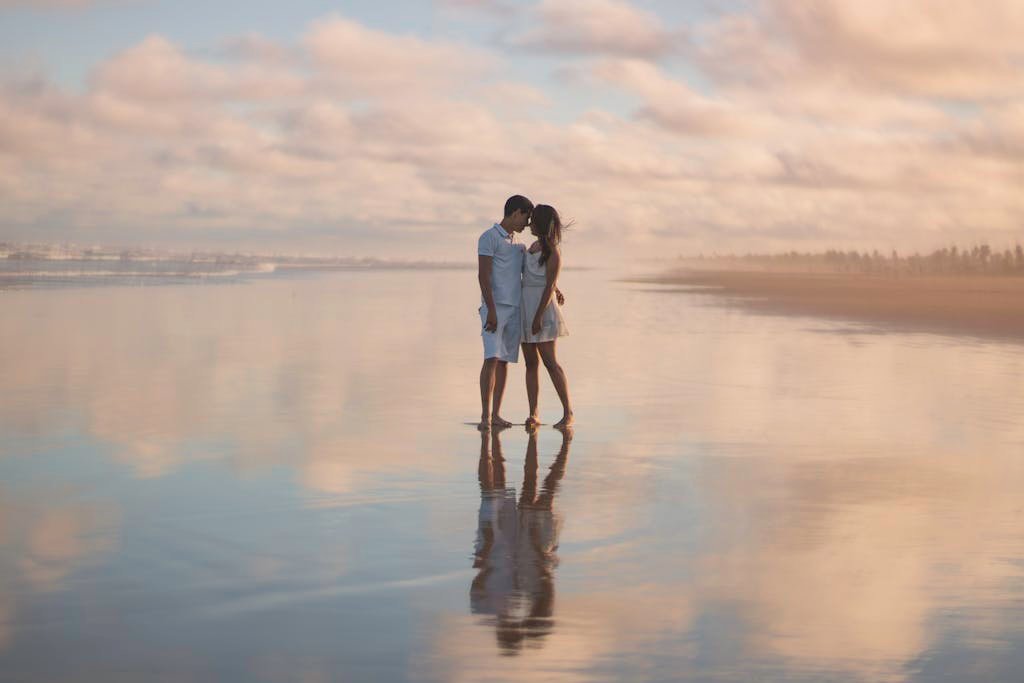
(593, 628)
(44, 542)
(269, 381)
(6, 619)
(846, 564)
(844, 468)
(329, 471)
(840, 506)
(819, 564)
(57, 540)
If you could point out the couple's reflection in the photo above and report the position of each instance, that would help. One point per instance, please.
(516, 545)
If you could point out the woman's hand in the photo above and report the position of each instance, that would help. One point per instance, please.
(536, 326)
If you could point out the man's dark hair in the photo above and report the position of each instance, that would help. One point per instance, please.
(518, 202)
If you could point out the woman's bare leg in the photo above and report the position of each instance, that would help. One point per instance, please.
(532, 381)
(558, 379)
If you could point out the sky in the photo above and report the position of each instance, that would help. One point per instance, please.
(398, 129)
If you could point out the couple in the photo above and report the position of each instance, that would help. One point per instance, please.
(521, 306)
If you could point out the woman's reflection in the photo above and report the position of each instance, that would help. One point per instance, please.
(516, 545)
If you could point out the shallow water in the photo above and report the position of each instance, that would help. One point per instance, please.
(272, 479)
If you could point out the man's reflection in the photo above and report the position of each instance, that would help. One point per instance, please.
(516, 544)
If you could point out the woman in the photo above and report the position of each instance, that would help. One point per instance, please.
(542, 317)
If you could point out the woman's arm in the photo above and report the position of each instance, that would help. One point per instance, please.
(551, 269)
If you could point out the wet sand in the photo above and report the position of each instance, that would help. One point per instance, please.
(984, 306)
(237, 483)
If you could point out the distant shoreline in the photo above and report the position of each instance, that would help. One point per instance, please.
(976, 305)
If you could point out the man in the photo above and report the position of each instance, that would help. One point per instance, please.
(499, 271)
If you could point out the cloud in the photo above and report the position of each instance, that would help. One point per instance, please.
(157, 70)
(743, 142)
(999, 134)
(603, 27)
(957, 50)
(672, 104)
(374, 62)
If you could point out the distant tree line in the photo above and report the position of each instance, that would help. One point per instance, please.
(978, 260)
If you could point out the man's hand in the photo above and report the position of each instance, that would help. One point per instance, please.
(492, 321)
(559, 297)
(536, 326)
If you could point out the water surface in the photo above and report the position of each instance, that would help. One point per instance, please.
(272, 479)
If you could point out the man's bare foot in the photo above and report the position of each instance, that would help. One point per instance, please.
(566, 422)
(500, 422)
(485, 424)
(532, 421)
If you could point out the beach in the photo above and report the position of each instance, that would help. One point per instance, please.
(277, 476)
(976, 305)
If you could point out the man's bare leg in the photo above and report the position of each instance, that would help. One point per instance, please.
(487, 381)
(500, 373)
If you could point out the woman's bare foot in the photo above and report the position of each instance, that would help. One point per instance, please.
(532, 421)
(485, 424)
(566, 422)
(500, 422)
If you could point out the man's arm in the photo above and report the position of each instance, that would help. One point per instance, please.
(484, 264)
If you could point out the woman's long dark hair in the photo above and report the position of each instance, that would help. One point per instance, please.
(548, 227)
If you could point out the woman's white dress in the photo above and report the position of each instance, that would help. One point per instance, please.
(552, 323)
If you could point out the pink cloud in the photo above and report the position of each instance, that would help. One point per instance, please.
(609, 27)
(368, 61)
(672, 104)
(955, 49)
(158, 70)
(280, 143)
